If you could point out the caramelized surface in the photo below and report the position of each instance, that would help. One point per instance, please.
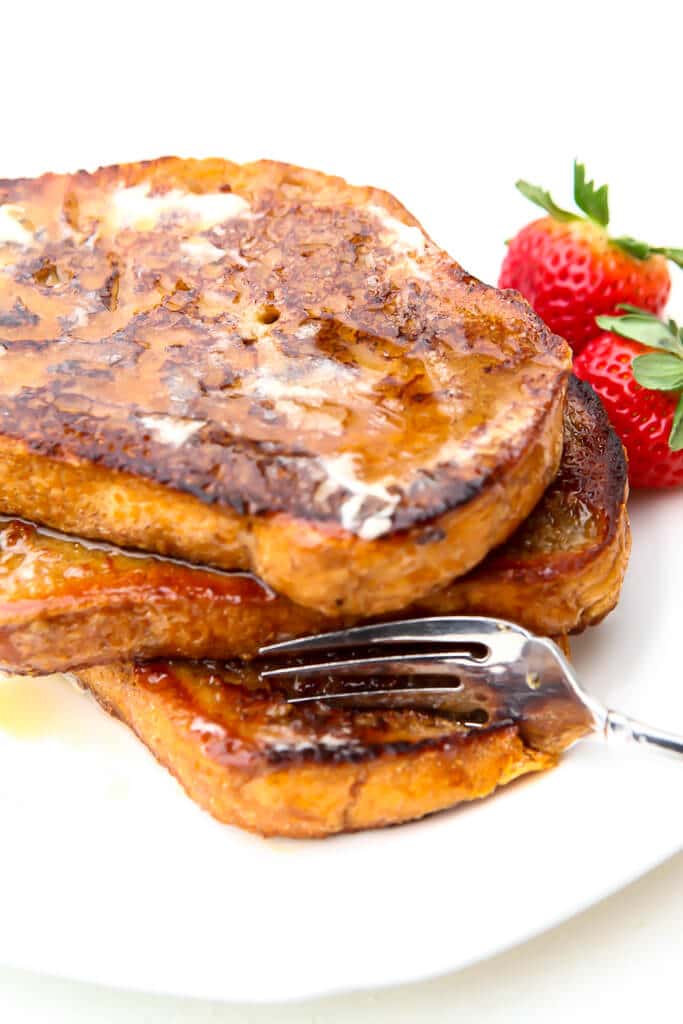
(219, 315)
(266, 340)
(64, 603)
(253, 760)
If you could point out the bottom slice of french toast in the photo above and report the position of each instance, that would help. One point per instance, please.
(251, 759)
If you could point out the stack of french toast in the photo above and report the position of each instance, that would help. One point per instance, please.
(243, 403)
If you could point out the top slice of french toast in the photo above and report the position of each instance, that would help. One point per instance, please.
(66, 603)
(263, 367)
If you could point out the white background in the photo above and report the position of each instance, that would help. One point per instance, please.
(445, 105)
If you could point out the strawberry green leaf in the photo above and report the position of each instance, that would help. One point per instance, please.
(592, 200)
(643, 251)
(631, 246)
(543, 199)
(645, 314)
(659, 371)
(645, 328)
(675, 255)
(638, 310)
(676, 435)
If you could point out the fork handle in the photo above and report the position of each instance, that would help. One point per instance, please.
(618, 726)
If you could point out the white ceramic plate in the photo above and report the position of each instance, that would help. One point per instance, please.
(111, 874)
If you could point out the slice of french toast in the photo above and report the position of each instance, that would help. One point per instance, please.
(262, 367)
(251, 759)
(64, 604)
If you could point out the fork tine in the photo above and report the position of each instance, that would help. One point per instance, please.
(410, 665)
(449, 699)
(443, 629)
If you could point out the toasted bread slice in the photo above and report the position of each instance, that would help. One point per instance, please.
(252, 760)
(64, 604)
(262, 367)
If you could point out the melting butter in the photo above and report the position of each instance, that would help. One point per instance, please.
(11, 229)
(134, 207)
(33, 708)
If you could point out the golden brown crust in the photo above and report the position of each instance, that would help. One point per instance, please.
(564, 567)
(285, 360)
(63, 604)
(567, 600)
(252, 760)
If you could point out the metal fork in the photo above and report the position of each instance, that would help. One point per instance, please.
(481, 671)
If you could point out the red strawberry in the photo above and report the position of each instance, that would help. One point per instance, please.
(641, 391)
(570, 269)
